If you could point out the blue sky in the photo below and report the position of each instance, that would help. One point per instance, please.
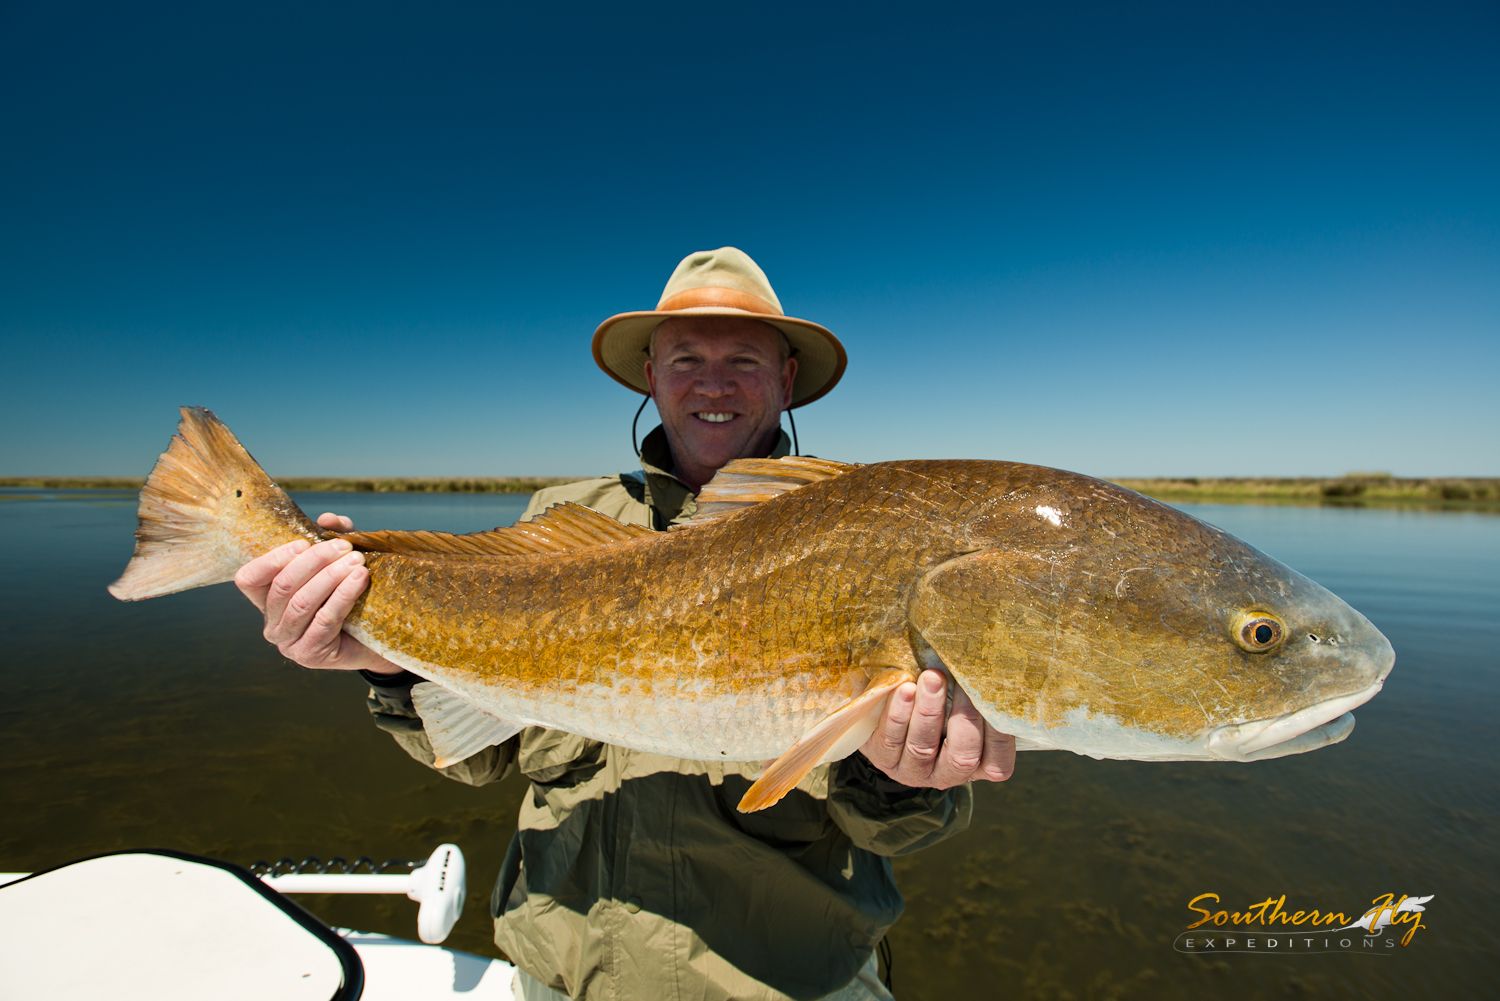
(1192, 239)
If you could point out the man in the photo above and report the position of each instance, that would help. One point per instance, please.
(632, 875)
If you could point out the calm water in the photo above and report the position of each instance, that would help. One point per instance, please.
(171, 723)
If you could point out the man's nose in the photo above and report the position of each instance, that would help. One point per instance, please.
(714, 381)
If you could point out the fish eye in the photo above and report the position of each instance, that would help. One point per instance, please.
(1258, 631)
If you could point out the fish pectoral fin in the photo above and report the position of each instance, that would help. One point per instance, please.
(558, 529)
(457, 728)
(746, 482)
(838, 735)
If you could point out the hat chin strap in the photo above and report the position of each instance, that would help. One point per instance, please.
(634, 444)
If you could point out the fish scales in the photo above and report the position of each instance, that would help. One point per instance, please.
(1075, 614)
(741, 626)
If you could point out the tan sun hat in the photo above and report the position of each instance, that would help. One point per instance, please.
(723, 282)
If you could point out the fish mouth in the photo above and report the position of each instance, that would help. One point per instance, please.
(1318, 725)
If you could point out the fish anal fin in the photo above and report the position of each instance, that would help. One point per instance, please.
(558, 529)
(746, 482)
(456, 728)
(838, 735)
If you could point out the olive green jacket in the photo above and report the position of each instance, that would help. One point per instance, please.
(632, 875)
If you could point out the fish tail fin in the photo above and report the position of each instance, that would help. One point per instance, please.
(206, 510)
(837, 735)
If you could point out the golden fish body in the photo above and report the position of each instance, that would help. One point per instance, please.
(1076, 614)
(725, 641)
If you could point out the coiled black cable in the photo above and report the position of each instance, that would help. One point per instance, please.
(338, 865)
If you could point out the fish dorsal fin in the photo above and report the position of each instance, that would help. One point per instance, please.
(746, 482)
(558, 529)
(573, 526)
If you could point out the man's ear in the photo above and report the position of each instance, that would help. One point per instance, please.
(788, 377)
(650, 379)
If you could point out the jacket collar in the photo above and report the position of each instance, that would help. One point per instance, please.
(668, 497)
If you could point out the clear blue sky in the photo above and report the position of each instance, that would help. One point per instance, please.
(1127, 239)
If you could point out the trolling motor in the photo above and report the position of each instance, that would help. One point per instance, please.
(437, 884)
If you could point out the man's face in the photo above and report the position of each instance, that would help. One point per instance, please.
(720, 386)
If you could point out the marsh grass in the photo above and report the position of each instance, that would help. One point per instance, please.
(336, 484)
(1352, 489)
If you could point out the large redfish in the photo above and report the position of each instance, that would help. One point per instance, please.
(1076, 614)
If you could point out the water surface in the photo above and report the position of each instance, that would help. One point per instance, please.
(172, 723)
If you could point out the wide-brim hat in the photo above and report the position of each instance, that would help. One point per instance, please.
(723, 282)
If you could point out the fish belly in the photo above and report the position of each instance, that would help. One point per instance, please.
(685, 717)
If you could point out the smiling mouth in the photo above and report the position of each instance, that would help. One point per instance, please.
(715, 417)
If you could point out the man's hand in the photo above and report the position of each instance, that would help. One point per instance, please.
(910, 747)
(306, 591)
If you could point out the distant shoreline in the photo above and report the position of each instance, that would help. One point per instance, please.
(328, 484)
(1354, 490)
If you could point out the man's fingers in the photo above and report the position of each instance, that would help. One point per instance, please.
(963, 745)
(323, 638)
(254, 578)
(925, 734)
(307, 591)
(310, 598)
(999, 756)
(290, 581)
(922, 741)
(337, 522)
(889, 739)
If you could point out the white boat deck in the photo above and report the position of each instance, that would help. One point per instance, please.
(163, 925)
(397, 969)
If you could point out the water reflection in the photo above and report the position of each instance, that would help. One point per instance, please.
(171, 723)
